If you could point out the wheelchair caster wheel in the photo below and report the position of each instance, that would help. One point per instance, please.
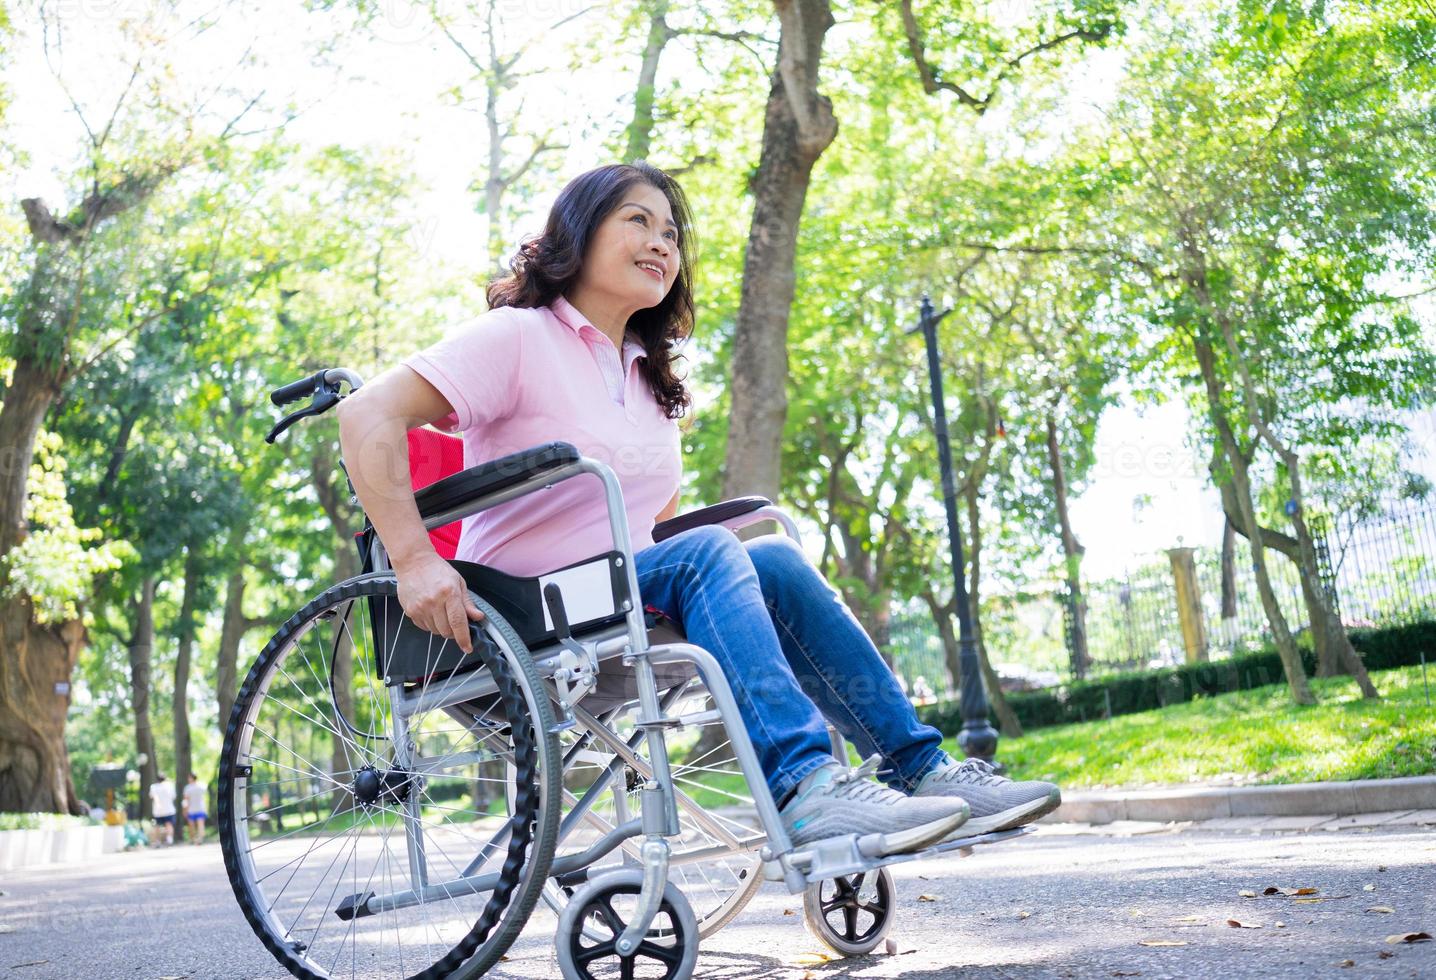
(596, 916)
(851, 914)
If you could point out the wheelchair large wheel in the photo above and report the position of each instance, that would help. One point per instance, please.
(714, 860)
(359, 830)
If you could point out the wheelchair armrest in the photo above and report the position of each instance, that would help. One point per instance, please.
(492, 477)
(714, 514)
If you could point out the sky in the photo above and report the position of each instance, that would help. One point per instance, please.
(381, 89)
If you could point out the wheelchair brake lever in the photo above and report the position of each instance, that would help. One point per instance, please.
(323, 401)
(576, 663)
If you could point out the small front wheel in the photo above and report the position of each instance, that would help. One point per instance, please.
(851, 914)
(593, 920)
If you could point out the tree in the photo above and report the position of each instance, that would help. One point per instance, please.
(1288, 194)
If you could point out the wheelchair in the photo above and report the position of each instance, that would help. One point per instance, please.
(390, 806)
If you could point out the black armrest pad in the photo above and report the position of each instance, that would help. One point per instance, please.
(715, 514)
(493, 476)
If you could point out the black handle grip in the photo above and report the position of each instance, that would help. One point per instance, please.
(296, 390)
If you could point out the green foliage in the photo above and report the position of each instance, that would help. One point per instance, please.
(55, 566)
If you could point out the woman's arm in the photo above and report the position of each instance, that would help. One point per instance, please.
(373, 436)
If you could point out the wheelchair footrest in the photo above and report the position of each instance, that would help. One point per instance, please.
(852, 854)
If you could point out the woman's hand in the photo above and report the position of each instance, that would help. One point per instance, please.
(436, 598)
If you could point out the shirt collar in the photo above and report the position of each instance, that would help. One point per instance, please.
(570, 317)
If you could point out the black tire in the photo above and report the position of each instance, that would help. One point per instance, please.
(297, 723)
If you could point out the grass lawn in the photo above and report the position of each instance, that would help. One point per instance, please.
(1255, 736)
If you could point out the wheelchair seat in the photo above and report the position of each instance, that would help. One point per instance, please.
(440, 483)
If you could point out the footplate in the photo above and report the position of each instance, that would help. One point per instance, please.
(853, 854)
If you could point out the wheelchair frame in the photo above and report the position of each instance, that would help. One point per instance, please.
(568, 668)
(796, 869)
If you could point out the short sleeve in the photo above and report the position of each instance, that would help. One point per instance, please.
(477, 367)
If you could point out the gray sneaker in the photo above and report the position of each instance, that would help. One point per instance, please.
(997, 803)
(834, 801)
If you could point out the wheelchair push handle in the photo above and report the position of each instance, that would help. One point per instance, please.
(324, 387)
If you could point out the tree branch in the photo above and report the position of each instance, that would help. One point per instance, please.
(931, 83)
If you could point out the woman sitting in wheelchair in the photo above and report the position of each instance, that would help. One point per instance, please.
(579, 346)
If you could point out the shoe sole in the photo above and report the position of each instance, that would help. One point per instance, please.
(1012, 817)
(923, 835)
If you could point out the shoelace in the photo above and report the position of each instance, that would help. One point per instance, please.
(973, 771)
(853, 784)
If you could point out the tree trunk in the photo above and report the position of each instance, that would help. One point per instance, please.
(1007, 721)
(141, 649)
(31, 392)
(231, 632)
(1229, 571)
(797, 127)
(1241, 489)
(1072, 551)
(1328, 633)
(35, 671)
(36, 661)
(184, 634)
(942, 618)
(640, 130)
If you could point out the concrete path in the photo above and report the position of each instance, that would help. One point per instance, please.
(1143, 900)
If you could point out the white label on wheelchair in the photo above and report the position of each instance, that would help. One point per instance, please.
(587, 592)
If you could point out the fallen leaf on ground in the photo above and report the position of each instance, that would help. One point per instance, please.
(1409, 937)
(1346, 963)
(1023, 915)
(1385, 954)
(1381, 908)
(1368, 888)
(1247, 893)
(1162, 942)
(1243, 925)
(789, 912)
(811, 959)
(1289, 892)
(1279, 924)
(927, 898)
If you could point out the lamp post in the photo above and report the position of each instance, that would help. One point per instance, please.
(977, 738)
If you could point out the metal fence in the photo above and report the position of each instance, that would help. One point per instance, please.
(1380, 570)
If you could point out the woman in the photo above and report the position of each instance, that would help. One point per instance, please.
(577, 346)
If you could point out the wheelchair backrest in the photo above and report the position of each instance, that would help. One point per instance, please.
(433, 456)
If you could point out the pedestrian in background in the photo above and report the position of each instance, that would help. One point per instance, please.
(162, 808)
(195, 795)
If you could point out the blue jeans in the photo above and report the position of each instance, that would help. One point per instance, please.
(791, 651)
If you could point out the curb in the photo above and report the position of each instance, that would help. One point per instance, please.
(1218, 802)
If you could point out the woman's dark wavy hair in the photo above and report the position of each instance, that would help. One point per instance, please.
(544, 268)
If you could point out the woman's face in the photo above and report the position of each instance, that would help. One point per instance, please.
(633, 257)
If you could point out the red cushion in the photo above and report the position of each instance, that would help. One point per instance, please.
(433, 456)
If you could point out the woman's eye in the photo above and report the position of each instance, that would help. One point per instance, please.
(639, 217)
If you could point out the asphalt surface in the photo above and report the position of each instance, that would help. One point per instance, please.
(1050, 905)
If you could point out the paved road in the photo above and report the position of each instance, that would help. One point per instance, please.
(1051, 905)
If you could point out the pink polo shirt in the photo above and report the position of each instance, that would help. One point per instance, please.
(517, 378)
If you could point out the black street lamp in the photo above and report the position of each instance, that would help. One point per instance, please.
(977, 738)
